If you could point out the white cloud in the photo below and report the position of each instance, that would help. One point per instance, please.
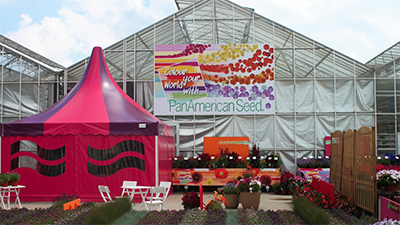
(359, 29)
(26, 20)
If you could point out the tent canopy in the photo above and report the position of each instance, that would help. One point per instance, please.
(96, 106)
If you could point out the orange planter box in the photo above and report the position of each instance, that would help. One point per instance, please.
(218, 177)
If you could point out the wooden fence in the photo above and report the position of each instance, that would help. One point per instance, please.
(353, 167)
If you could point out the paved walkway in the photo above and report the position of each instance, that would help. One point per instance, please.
(269, 201)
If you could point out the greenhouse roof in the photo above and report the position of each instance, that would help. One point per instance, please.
(221, 21)
(21, 63)
(386, 56)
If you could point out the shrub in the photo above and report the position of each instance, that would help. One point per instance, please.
(109, 212)
(310, 212)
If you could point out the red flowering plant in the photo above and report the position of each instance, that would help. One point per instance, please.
(191, 200)
(204, 160)
(340, 202)
(287, 181)
(265, 180)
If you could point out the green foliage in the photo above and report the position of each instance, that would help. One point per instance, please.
(4, 177)
(275, 187)
(214, 205)
(229, 188)
(109, 212)
(14, 176)
(309, 211)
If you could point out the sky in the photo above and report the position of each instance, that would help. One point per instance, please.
(65, 31)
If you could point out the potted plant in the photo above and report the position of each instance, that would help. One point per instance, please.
(265, 181)
(14, 178)
(231, 195)
(390, 179)
(250, 192)
(4, 179)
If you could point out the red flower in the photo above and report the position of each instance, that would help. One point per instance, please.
(221, 173)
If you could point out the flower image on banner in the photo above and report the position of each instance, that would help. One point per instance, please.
(214, 79)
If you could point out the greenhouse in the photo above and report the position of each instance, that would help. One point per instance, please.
(317, 90)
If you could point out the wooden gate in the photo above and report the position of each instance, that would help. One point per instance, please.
(353, 167)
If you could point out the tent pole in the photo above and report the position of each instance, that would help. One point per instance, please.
(156, 169)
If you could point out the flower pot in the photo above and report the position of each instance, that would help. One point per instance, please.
(392, 187)
(250, 200)
(4, 184)
(13, 182)
(232, 201)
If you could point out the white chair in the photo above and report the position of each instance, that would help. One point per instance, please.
(105, 193)
(125, 188)
(167, 186)
(154, 200)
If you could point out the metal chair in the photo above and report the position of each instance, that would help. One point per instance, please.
(105, 193)
(126, 185)
(154, 200)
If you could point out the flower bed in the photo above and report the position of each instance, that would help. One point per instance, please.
(192, 216)
(278, 217)
(52, 215)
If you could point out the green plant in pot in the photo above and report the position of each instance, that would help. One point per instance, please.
(4, 179)
(14, 178)
(231, 195)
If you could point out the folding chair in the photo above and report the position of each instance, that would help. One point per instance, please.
(153, 200)
(125, 188)
(105, 193)
(167, 186)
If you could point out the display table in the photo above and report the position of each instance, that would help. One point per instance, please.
(218, 177)
(138, 190)
(5, 192)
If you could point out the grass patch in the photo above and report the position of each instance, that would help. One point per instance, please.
(309, 211)
(109, 212)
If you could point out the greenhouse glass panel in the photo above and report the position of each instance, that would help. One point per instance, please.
(145, 65)
(283, 63)
(385, 95)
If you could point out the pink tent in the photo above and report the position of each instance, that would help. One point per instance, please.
(94, 135)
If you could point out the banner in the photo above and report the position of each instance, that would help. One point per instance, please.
(214, 79)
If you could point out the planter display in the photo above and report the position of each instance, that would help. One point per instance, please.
(4, 184)
(218, 177)
(232, 201)
(250, 200)
(392, 187)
